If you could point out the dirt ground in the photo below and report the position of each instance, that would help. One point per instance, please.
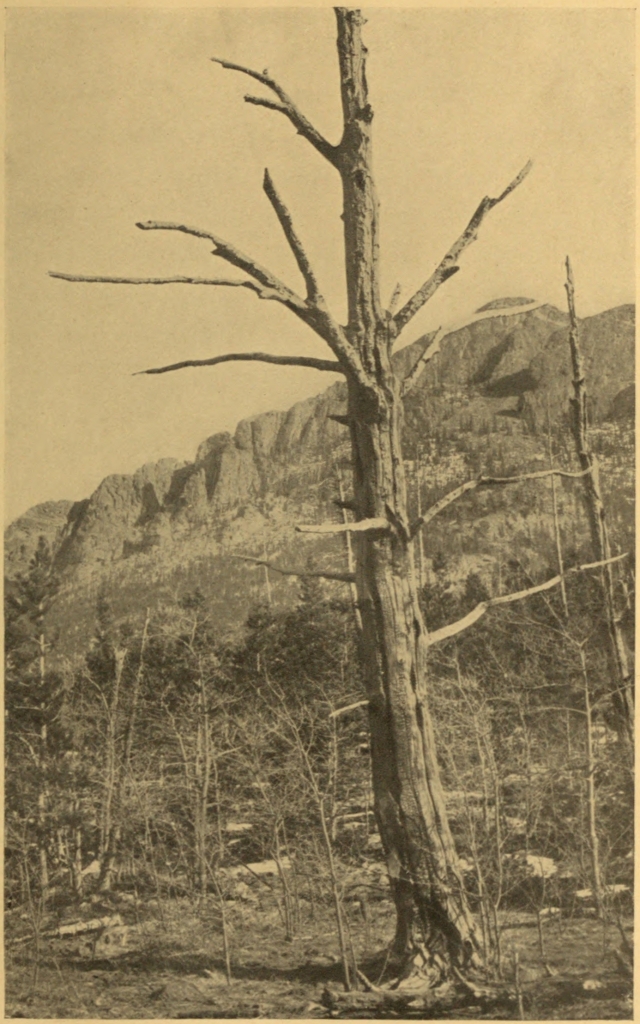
(172, 965)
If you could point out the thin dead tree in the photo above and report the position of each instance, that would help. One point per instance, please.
(119, 769)
(109, 824)
(42, 756)
(436, 934)
(622, 690)
(344, 506)
(556, 519)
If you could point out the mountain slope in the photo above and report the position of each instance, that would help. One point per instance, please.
(485, 404)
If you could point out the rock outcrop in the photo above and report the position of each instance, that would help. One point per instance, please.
(491, 394)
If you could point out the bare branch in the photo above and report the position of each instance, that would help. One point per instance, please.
(328, 365)
(262, 292)
(431, 349)
(362, 526)
(232, 255)
(283, 215)
(265, 284)
(453, 628)
(349, 707)
(340, 577)
(579, 401)
(287, 107)
(486, 481)
(315, 316)
(492, 481)
(447, 265)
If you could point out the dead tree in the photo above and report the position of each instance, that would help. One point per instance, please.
(118, 777)
(622, 689)
(436, 932)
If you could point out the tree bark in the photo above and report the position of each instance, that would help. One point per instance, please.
(433, 916)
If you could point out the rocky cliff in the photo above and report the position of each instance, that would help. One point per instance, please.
(488, 402)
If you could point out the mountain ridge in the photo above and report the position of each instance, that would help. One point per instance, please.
(499, 383)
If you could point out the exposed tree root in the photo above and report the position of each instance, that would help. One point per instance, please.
(381, 1004)
(423, 981)
(413, 1001)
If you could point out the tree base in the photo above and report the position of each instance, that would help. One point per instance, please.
(420, 982)
(443, 1001)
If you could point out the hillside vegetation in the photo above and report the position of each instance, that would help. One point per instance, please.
(189, 815)
(486, 404)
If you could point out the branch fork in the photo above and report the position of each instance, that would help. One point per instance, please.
(284, 105)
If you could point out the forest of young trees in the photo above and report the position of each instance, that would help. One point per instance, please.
(168, 756)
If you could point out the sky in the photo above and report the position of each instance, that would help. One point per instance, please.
(117, 115)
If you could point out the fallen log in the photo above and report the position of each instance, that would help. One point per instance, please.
(95, 924)
(63, 931)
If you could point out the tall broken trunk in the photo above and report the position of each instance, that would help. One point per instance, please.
(622, 690)
(436, 930)
(433, 917)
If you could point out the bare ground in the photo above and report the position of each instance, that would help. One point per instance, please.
(172, 965)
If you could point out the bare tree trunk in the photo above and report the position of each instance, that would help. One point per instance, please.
(434, 919)
(109, 838)
(76, 864)
(202, 772)
(287, 902)
(266, 570)
(556, 521)
(591, 792)
(349, 553)
(622, 695)
(226, 945)
(432, 911)
(42, 757)
(422, 573)
(135, 697)
(121, 772)
(335, 890)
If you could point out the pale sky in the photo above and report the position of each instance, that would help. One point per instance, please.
(115, 116)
